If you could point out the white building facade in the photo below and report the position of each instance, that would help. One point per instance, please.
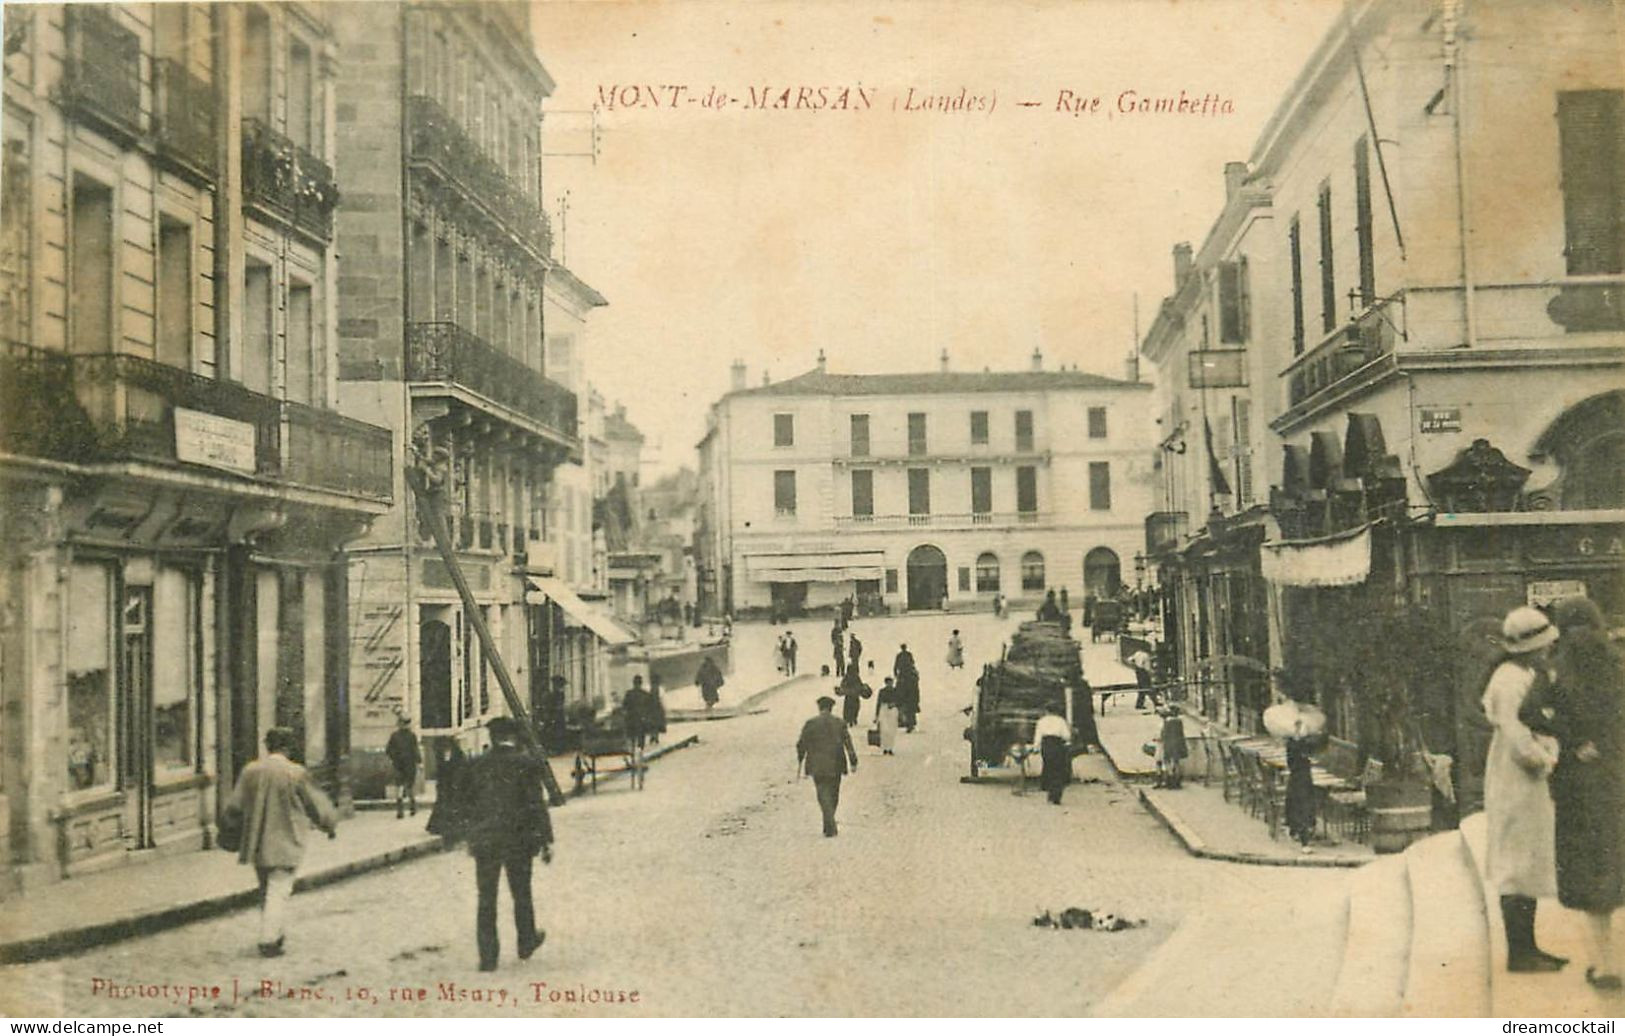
(923, 491)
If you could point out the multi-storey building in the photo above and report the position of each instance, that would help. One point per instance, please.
(440, 334)
(923, 491)
(1437, 397)
(176, 484)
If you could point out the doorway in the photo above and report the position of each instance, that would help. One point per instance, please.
(927, 578)
(1102, 573)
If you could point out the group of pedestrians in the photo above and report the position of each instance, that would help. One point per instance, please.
(1554, 782)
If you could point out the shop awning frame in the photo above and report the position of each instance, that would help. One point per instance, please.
(546, 588)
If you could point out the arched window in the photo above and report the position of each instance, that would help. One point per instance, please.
(1032, 570)
(1102, 573)
(987, 573)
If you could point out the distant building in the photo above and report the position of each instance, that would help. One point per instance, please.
(921, 491)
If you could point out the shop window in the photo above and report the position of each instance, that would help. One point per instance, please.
(175, 665)
(91, 762)
(1032, 570)
(987, 573)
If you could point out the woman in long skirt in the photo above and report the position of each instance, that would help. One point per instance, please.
(1585, 709)
(1522, 862)
(1300, 788)
(956, 652)
(886, 717)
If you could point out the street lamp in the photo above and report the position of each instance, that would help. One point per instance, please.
(1139, 571)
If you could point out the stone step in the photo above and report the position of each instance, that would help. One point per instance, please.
(1449, 969)
(1376, 952)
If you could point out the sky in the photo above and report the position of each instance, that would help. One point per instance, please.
(982, 191)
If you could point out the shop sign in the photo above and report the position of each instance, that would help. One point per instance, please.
(1549, 591)
(1435, 419)
(1578, 543)
(214, 441)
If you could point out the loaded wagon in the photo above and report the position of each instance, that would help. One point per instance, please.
(1033, 674)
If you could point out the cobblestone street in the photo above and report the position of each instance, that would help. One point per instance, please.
(712, 892)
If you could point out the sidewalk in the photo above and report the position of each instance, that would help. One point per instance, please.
(1197, 813)
(142, 898)
(755, 676)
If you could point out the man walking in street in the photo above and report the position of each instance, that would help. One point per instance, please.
(854, 651)
(1052, 740)
(1140, 662)
(836, 642)
(824, 751)
(404, 756)
(273, 798)
(790, 653)
(507, 825)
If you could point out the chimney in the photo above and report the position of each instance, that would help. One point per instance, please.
(1235, 174)
(821, 362)
(1131, 367)
(1182, 263)
(1038, 359)
(738, 373)
(766, 379)
(620, 410)
(943, 360)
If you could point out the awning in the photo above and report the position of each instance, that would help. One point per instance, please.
(834, 567)
(1343, 559)
(545, 588)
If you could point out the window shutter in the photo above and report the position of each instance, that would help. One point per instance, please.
(1591, 148)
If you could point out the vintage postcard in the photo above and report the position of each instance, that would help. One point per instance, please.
(615, 509)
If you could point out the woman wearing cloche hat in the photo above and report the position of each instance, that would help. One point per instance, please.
(1522, 857)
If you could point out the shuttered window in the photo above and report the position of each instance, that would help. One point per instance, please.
(1362, 222)
(1591, 135)
(1294, 240)
(1328, 274)
(863, 493)
(784, 492)
(1233, 302)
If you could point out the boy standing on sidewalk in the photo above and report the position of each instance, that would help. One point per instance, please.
(404, 756)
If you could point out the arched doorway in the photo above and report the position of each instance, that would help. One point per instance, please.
(1102, 573)
(927, 578)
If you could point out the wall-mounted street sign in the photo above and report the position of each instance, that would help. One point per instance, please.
(1439, 419)
(1218, 368)
(1550, 591)
(214, 441)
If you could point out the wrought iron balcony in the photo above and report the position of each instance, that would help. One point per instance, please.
(101, 74)
(286, 183)
(444, 352)
(186, 109)
(438, 145)
(330, 451)
(110, 407)
(1367, 337)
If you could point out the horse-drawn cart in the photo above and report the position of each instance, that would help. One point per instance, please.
(606, 740)
(1012, 694)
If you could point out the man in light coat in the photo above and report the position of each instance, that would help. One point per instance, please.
(823, 751)
(273, 799)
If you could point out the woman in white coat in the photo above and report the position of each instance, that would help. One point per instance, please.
(1517, 804)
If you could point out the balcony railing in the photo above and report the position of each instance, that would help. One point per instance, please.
(186, 107)
(101, 75)
(109, 407)
(331, 451)
(1367, 337)
(438, 143)
(981, 519)
(287, 183)
(444, 352)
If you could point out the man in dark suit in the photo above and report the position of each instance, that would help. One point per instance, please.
(507, 825)
(823, 751)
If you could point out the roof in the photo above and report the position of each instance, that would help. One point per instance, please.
(814, 383)
(618, 427)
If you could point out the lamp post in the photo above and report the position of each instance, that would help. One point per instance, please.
(1139, 571)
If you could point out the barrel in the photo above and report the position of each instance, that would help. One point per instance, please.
(1401, 812)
